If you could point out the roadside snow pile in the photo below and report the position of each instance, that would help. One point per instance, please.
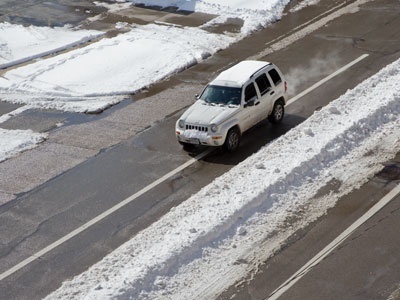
(92, 78)
(215, 237)
(97, 76)
(256, 14)
(19, 44)
(14, 141)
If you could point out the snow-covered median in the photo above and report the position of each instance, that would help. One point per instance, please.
(216, 236)
(19, 44)
(91, 78)
(97, 76)
(255, 14)
(14, 141)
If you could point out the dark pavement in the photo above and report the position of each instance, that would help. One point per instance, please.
(45, 214)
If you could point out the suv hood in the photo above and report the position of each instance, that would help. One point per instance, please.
(202, 113)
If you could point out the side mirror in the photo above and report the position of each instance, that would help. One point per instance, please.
(196, 97)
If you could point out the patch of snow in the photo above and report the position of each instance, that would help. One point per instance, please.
(112, 8)
(13, 142)
(19, 44)
(80, 80)
(95, 77)
(304, 4)
(195, 134)
(216, 236)
(256, 14)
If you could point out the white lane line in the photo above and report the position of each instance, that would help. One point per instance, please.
(13, 113)
(283, 43)
(103, 215)
(333, 245)
(151, 186)
(301, 26)
(324, 80)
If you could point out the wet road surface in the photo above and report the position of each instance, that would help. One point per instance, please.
(41, 216)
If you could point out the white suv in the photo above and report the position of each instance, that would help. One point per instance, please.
(232, 103)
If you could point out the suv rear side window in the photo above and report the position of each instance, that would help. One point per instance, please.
(263, 84)
(275, 76)
(250, 92)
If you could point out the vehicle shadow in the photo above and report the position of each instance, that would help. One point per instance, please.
(252, 141)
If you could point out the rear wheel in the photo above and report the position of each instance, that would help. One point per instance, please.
(232, 140)
(277, 113)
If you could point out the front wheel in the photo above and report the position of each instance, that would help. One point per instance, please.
(232, 140)
(277, 112)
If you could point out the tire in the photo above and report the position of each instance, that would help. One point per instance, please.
(277, 113)
(232, 140)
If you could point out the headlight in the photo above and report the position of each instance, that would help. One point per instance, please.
(214, 128)
(181, 124)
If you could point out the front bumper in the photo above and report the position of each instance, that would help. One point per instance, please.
(201, 138)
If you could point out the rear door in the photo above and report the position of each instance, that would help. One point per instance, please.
(277, 84)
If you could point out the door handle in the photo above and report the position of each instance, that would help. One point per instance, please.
(272, 93)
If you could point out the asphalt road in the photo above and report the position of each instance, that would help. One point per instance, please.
(39, 217)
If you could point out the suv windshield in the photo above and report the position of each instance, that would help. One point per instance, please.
(221, 95)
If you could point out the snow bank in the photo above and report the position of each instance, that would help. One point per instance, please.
(81, 80)
(19, 44)
(216, 236)
(256, 14)
(14, 141)
(97, 76)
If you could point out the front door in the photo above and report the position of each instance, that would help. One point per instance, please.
(251, 109)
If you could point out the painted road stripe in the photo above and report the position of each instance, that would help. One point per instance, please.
(333, 245)
(103, 215)
(152, 185)
(326, 79)
(321, 82)
(149, 187)
(284, 42)
(13, 113)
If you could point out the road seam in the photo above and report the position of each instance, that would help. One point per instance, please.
(334, 244)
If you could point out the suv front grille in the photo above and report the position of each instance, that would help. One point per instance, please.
(198, 128)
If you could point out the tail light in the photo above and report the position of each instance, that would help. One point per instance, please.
(285, 86)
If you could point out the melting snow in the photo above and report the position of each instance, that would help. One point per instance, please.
(14, 141)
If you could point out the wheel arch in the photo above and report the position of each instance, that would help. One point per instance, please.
(281, 99)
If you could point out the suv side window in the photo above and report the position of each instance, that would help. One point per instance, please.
(250, 92)
(263, 84)
(275, 76)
